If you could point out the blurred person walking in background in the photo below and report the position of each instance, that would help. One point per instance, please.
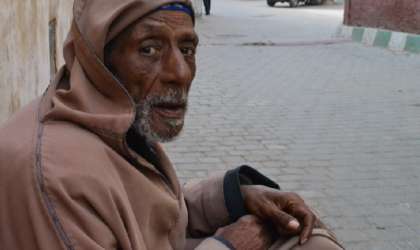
(207, 4)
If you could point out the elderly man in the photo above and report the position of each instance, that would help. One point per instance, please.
(82, 167)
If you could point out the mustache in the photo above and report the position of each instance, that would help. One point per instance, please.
(170, 98)
(177, 97)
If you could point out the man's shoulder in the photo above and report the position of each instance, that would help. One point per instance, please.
(18, 135)
(69, 145)
(59, 150)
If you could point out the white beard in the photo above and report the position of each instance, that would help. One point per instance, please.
(143, 121)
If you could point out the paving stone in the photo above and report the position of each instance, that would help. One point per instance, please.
(216, 154)
(290, 178)
(354, 211)
(314, 204)
(332, 212)
(293, 171)
(200, 149)
(416, 243)
(332, 223)
(390, 210)
(321, 164)
(270, 171)
(238, 153)
(314, 185)
(270, 164)
(195, 167)
(338, 193)
(366, 191)
(351, 236)
(257, 158)
(386, 222)
(378, 246)
(317, 170)
(213, 172)
(250, 147)
(178, 149)
(290, 186)
(173, 155)
(183, 160)
(298, 164)
(349, 246)
(317, 177)
(354, 223)
(416, 229)
(209, 160)
(311, 194)
(232, 159)
(384, 235)
(404, 245)
(201, 174)
(185, 174)
(364, 184)
(339, 184)
(408, 234)
(333, 203)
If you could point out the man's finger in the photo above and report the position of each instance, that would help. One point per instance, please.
(308, 226)
(285, 220)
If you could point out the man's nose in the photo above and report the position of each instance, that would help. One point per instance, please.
(175, 68)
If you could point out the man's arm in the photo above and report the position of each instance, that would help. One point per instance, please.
(225, 198)
(206, 206)
(217, 201)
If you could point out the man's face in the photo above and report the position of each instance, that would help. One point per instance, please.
(154, 59)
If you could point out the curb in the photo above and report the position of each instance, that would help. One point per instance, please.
(395, 41)
(308, 42)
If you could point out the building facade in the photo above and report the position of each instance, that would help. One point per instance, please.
(393, 15)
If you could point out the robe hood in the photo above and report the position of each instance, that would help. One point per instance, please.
(84, 91)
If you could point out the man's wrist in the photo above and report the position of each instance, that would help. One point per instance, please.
(234, 198)
(224, 242)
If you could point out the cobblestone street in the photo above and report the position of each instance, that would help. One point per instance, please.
(338, 124)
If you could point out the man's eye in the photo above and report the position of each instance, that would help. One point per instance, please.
(187, 51)
(149, 50)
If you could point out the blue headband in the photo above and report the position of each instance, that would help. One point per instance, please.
(175, 6)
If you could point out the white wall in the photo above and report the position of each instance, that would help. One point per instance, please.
(198, 7)
(24, 49)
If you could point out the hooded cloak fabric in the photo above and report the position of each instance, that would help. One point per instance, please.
(68, 179)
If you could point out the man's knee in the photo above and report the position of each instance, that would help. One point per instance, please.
(317, 242)
(321, 239)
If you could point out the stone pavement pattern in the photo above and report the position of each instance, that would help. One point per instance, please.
(337, 124)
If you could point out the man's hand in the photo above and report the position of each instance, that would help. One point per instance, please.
(287, 211)
(248, 233)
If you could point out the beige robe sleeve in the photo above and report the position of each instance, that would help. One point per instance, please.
(211, 244)
(206, 206)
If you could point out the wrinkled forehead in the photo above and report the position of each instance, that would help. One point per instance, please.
(166, 19)
(176, 7)
(162, 24)
(131, 13)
